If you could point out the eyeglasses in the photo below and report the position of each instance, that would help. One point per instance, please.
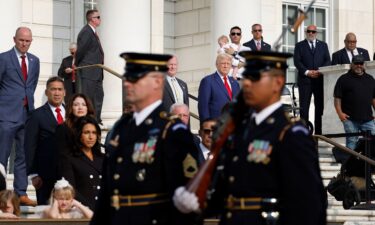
(311, 31)
(96, 17)
(234, 33)
(257, 30)
(351, 42)
(207, 131)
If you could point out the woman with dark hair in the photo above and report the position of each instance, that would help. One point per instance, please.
(83, 164)
(78, 106)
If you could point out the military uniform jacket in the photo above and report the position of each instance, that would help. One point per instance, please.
(146, 159)
(274, 159)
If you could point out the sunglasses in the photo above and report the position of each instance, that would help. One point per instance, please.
(96, 17)
(311, 31)
(207, 131)
(234, 33)
(358, 63)
(257, 30)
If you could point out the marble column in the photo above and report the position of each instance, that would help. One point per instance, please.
(125, 27)
(11, 13)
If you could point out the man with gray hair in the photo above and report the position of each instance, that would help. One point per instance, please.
(67, 72)
(182, 111)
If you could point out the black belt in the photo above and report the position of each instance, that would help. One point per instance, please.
(253, 203)
(118, 201)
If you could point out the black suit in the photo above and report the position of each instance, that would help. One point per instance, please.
(251, 44)
(84, 175)
(40, 149)
(89, 51)
(341, 56)
(70, 88)
(168, 98)
(306, 59)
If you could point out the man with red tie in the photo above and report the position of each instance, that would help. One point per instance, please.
(19, 73)
(67, 72)
(217, 89)
(89, 52)
(40, 142)
(257, 43)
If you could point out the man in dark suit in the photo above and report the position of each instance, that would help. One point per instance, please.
(90, 51)
(205, 132)
(217, 89)
(150, 154)
(257, 43)
(19, 73)
(40, 141)
(67, 72)
(175, 89)
(309, 55)
(345, 55)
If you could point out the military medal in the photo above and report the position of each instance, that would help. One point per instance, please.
(259, 151)
(144, 152)
(140, 175)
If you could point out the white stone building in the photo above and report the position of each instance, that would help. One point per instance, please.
(187, 28)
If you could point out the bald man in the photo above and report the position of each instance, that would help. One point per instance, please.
(345, 55)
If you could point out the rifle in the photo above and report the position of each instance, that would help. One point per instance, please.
(200, 183)
(226, 125)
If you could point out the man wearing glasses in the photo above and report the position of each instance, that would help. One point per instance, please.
(150, 154)
(309, 55)
(354, 99)
(345, 55)
(235, 36)
(257, 43)
(89, 52)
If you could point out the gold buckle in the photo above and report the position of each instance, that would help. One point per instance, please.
(115, 201)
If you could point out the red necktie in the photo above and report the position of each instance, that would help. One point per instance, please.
(227, 87)
(60, 119)
(24, 73)
(24, 67)
(258, 46)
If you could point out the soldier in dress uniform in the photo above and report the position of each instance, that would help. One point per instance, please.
(150, 154)
(271, 172)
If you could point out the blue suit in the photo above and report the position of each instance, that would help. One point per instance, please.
(306, 59)
(213, 96)
(13, 112)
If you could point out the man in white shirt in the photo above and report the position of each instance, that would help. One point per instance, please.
(205, 132)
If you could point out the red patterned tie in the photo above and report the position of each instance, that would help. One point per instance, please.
(227, 87)
(60, 119)
(24, 73)
(24, 67)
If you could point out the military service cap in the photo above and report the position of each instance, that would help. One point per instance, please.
(259, 61)
(139, 64)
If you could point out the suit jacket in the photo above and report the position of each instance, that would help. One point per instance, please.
(40, 143)
(168, 98)
(84, 175)
(13, 88)
(212, 95)
(264, 46)
(341, 56)
(89, 51)
(68, 84)
(305, 59)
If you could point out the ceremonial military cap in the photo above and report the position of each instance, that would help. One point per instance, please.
(139, 64)
(358, 59)
(259, 61)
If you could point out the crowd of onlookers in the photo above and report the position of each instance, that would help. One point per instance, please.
(58, 145)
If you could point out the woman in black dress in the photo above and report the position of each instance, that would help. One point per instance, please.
(83, 164)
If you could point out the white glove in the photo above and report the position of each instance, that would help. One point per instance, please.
(185, 201)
